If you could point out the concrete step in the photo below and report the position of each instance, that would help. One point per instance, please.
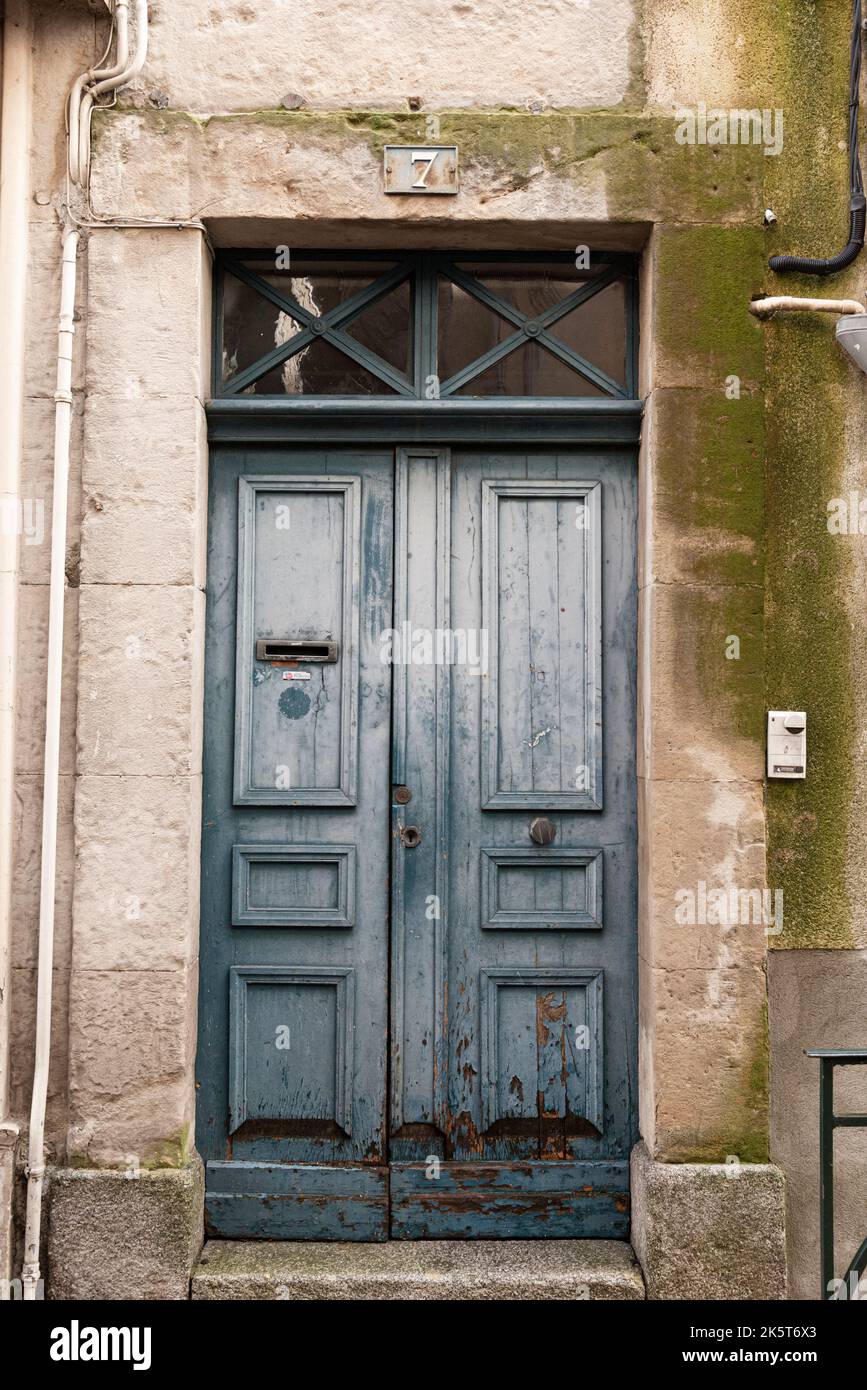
(435, 1269)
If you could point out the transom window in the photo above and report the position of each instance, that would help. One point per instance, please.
(424, 325)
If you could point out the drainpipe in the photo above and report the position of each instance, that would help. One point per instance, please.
(57, 594)
(123, 72)
(120, 22)
(832, 265)
(108, 82)
(14, 212)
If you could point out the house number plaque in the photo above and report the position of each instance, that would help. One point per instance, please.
(431, 169)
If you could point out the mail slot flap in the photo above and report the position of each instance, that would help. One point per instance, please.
(295, 649)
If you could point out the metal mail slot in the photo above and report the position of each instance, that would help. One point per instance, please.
(294, 649)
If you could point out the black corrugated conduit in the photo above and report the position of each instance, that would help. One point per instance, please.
(804, 265)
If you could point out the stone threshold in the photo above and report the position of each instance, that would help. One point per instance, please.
(426, 1270)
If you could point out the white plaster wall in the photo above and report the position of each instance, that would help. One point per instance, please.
(231, 56)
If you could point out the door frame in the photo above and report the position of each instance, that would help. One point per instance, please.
(358, 421)
(503, 422)
(406, 419)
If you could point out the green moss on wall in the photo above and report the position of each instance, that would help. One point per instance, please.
(808, 631)
(174, 1151)
(805, 66)
(747, 1137)
(647, 176)
(706, 276)
(750, 1140)
(710, 478)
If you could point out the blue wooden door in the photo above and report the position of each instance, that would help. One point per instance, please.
(419, 844)
(513, 961)
(294, 929)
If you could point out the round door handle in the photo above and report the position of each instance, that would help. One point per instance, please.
(410, 836)
(542, 831)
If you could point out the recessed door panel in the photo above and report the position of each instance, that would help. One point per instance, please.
(298, 583)
(542, 708)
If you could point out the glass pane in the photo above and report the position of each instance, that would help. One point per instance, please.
(466, 328)
(596, 330)
(252, 325)
(386, 328)
(319, 370)
(529, 371)
(530, 288)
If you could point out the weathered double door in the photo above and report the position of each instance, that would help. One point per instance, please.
(417, 1008)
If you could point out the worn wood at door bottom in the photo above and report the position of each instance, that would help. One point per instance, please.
(509, 1201)
(428, 1201)
(296, 1201)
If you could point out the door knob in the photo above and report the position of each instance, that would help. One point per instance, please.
(542, 830)
(410, 836)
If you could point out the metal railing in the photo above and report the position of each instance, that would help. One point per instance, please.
(829, 1121)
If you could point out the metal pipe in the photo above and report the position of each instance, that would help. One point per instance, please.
(764, 308)
(826, 1174)
(132, 69)
(120, 23)
(57, 593)
(832, 265)
(14, 214)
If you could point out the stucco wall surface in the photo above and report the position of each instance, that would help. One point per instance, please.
(226, 56)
